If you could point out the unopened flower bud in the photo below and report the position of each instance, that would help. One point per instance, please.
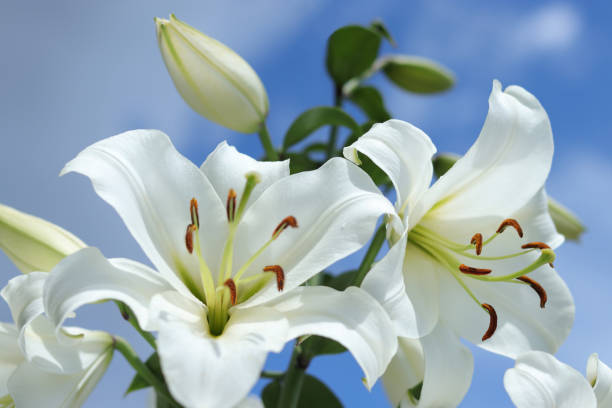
(566, 222)
(214, 80)
(32, 243)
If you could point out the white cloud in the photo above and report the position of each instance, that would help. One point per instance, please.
(553, 28)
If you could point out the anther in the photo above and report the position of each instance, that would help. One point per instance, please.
(189, 237)
(537, 288)
(473, 271)
(492, 321)
(230, 206)
(536, 245)
(280, 275)
(193, 210)
(510, 222)
(231, 285)
(287, 222)
(477, 241)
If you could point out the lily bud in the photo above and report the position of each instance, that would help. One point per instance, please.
(214, 80)
(567, 223)
(32, 243)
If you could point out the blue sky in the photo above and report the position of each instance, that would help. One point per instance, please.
(73, 73)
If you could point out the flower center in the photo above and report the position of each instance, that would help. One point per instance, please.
(448, 253)
(231, 288)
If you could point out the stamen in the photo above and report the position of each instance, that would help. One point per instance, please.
(477, 241)
(537, 287)
(189, 237)
(232, 288)
(510, 222)
(492, 321)
(473, 271)
(230, 206)
(537, 245)
(280, 275)
(193, 210)
(287, 222)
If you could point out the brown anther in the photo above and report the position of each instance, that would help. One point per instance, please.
(537, 287)
(189, 237)
(510, 222)
(231, 285)
(280, 275)
(492, 321)
(193, 210)
(537, 245)
(477, 241)
(230, 206)
(473, 271)
(287, 222)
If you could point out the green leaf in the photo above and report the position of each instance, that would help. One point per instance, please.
(414, 393)
(314, 394)
(351, 51)
(138, 382)
(338, 282)
(443, 162)
(378, 176)
(317, 346)
(416, 74)
(566, 222)
(313, 119)
(270, 394)
(381, 28)
(299, 162)
(370, 100)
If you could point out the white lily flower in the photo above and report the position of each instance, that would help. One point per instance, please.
(232, 241)
(539, 380)
(459, 269)
(35, 368)
(32, 243)
(214, 80)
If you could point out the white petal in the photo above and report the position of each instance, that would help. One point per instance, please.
(406, 370)
(404, 153)
(413, 315)
(448, 366)
(352, 317)
(440, 361)
(226, 168)
(150, 185)
(10, 354)
(421, 284)
(336, 208)
(251, 401)
(31, 387)
(206, 371)
(24, 297)
(87, 277)
(42, 347)
(599, 375)
(538, 380)
(504, 168)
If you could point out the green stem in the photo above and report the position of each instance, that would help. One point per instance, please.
(266, 142)
(370, 256)
(128, 315)
(141, 368)
(333, 133)
(293, 380)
